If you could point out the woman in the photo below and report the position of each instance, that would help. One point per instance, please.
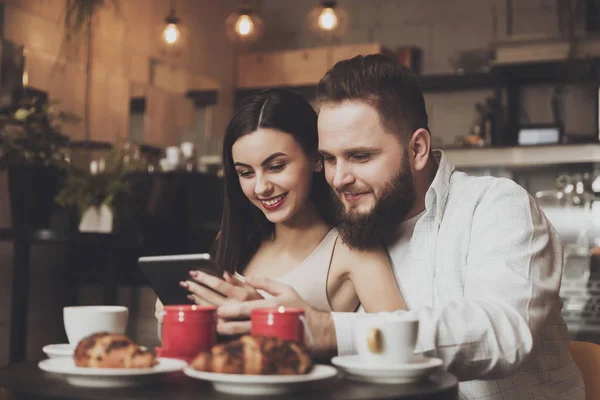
(277, 220)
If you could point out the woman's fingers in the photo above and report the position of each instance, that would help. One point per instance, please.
(217, 284)
(202, 293)
(233, 327)
(233, 280)
(199, 300)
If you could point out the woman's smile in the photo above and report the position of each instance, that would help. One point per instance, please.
(273, 203)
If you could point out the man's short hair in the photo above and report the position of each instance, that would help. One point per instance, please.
(392, 89)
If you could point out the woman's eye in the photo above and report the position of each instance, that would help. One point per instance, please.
(276, 167)
(245, 174)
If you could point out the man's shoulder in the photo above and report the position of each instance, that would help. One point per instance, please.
(479, 187)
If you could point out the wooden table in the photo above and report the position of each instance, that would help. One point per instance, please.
(26, 380)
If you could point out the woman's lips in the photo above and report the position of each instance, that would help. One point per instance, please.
(273, 202)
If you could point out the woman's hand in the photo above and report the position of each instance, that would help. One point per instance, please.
(217, 291)
(234, 316)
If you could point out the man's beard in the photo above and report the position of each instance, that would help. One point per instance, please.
(362, 231)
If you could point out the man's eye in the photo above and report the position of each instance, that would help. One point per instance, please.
(361, 157)
(329, 160)
(276, 167)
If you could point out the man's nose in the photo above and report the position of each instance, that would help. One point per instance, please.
(343, 177)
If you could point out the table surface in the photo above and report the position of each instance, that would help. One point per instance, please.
(27, 380)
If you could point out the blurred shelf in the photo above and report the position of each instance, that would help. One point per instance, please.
(52, 236)
(429, 83)
(548, 72)
(523, 156)
(203, 98)
(56, 236)
(455, 82)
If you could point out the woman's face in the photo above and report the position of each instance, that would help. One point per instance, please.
(274, 172)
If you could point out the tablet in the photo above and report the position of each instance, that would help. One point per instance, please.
(165, 272)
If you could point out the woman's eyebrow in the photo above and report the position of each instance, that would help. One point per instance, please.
(265, 161)
(271, 157)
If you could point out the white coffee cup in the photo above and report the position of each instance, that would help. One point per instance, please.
(83, 321)
(386, 338)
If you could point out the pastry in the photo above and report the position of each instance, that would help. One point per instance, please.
(111, 350)
(255, 355)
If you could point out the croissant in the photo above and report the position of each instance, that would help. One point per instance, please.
(255, 355)
(110, 350)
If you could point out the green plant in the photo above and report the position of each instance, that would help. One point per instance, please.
(30, 133)
(79, 14)
(110, 185)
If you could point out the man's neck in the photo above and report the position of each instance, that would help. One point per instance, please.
(422, 181)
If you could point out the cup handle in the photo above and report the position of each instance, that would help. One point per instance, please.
(307, 332)
(374, 340)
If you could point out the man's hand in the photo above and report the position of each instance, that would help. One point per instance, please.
(234, 316)
(221, 290)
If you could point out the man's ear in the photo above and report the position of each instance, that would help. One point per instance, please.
(419, 148)
(317, 163)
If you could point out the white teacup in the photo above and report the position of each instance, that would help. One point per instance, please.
(387, 339)
(83, 321)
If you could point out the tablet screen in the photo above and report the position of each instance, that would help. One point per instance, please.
(165, 272)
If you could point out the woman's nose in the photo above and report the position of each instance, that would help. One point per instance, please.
(263, 187)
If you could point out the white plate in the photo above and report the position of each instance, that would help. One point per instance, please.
(59, 350)
(261, 384)
(108, 377)
(63, 350)
(356, 369)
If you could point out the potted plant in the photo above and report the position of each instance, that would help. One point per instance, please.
(32, 150)
(102, 191)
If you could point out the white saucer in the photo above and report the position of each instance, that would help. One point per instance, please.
(63, 350)
(261, 384)
(108, 377)
(356, 369)
(59, 350)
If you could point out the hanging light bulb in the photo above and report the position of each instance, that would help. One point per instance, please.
(327, 20)
(172, 34)
(244, 26)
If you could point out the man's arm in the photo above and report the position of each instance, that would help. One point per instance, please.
(323, 333)
(511, 283)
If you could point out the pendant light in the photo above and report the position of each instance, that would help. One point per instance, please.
(244, 26)
(172, 33)
(327, 20)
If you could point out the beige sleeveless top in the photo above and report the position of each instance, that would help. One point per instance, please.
(309, 278)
